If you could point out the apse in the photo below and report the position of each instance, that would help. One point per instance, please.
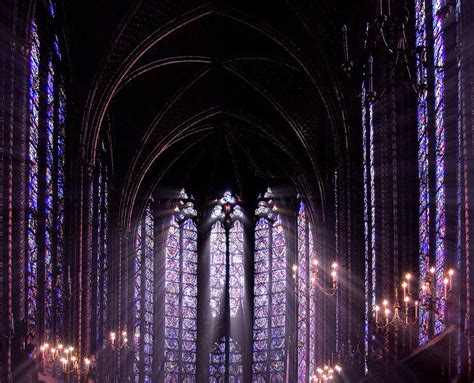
(236, 191)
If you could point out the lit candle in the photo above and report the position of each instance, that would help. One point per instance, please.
(64, 362)
(408, 278)
(387, 313)
(112, 338)
(87, 363)
(404, 286)
(377, 309)
(43, 349)
(74, 363)
(406, 300)
(445, 281)
(450, 274)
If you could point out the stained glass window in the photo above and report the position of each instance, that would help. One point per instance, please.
(218, 267)
(423, 165)
(181, 294)
(144, 287)
(226, 285)
(236, 269)
(306, 303)
(32, 214)
(218, 369)
(58, 207)
(270, 269)
(49, 201)
(226, 212)
(440, 195)
(45, 138)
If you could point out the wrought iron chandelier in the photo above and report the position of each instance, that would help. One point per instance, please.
(404, 312)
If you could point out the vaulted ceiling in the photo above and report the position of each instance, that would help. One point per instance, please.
(211, 95)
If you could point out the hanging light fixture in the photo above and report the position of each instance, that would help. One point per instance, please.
(315, 284)
(405, 310)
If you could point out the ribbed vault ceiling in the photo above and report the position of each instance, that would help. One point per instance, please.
(214, 96)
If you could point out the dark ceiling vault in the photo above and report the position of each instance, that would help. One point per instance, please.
(212, 95)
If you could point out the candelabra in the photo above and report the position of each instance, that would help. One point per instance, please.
(386, 36)
(406, 311)
(324, 374)
(314, 279)
(62, 359)
(122, 341)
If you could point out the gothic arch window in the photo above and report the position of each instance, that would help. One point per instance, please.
(181, 286)
(45, 185)
(270, 290)
(32, 215)
(226, 287)
(144, 288)
(440, 143)
(227, 248)
(431, 137)
(306, 299)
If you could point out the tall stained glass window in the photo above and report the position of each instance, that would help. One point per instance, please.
(226, 287)
(32, 214)
(423, 165)
(306, 303)
(45, 190)
(270, 303)
(440, 194)
(59, 148)
(181, 294)
(144, 288)
(431, 254)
